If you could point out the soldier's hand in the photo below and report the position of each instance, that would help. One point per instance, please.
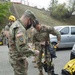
(57, 45)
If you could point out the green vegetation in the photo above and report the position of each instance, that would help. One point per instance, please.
(58, 11)
(42, 15)
(62, 11)
(4, 12)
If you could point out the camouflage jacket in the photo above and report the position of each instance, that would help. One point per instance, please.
(17, 40)
(43, 35)
(8, 26)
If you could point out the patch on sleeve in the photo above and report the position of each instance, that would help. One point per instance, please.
(20, 39)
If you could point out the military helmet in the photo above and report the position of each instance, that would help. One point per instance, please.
(30, 14)
(11, 17)
(36, 22)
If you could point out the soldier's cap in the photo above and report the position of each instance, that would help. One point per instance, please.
(30, 14)
(36, 22)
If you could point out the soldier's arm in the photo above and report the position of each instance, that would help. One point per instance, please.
(36, 43)
(17, 37)
(52, 31)
(21, 43)
(34, 39)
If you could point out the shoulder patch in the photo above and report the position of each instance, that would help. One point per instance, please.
(20, 39)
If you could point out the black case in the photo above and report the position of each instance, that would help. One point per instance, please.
(72, 54)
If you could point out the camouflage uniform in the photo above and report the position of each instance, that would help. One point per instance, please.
(8, 26)
(18, 46)
(3, 36)
(7, 29)
(43, 35)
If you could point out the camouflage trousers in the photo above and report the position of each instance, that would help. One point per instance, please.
(47, 62)
(20, 67)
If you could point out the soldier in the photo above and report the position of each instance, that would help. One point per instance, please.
(11, 20)
(18, 43)
(39, 39)
(6, 30)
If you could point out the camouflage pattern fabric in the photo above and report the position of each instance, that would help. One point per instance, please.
(8, 26)
(18, 46)
(6, 29)
(43, 35)
(3, 36)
